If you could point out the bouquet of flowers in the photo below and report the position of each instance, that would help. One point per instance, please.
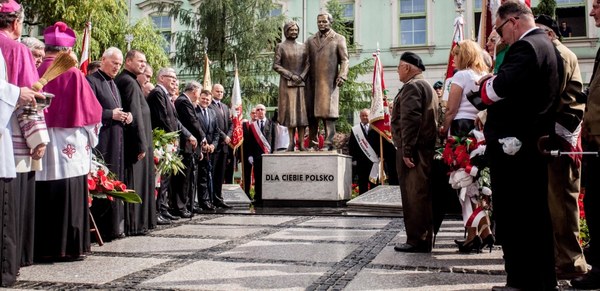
(166, 152)
(102, 184)
(468, 171)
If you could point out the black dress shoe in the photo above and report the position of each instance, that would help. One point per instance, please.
(197, 210)
(160, 220)
(222, 205)
(207, 206)
(589, 281)
(170, 216)
(185, 214)
(408, 248)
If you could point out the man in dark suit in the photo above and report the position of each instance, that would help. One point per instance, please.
(258, 140)
(246, 166)
(520, 101)
(363, 157)
(219, 157)
(184, 184)
(164, 116)
(208, 122)
(109, 214)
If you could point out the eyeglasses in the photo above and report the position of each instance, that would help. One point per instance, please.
(499, 28)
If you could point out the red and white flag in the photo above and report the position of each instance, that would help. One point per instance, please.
(237, 137)
(488, 19)
(379, 116)
(458, 35)
(85, 48)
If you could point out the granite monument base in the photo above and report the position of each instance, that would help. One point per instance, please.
(234, 196)
(307, 179)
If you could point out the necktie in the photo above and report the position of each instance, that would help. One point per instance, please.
(205, 114)
(262, 126)
(366, 128)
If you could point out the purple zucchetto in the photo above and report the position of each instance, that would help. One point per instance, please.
(10, 7)
(59, 34)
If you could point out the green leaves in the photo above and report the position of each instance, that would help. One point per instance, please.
(109, 26)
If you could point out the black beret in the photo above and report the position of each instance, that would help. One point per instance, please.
(413, 59)
(549, 22)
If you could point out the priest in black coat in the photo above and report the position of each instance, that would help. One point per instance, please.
(109, 214)
(139, 150)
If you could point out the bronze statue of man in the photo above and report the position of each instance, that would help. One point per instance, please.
(291, 62)
(328, 63)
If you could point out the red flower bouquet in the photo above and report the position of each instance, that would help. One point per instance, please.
(468, 172)
(101, 184)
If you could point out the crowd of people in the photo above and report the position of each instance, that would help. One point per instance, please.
(110, 114)
(527, 99)
(528, 102)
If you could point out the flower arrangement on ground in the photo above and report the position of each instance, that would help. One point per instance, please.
(102, 184)
(166, 152)
(468, 171)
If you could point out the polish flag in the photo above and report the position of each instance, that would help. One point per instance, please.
(85, 48)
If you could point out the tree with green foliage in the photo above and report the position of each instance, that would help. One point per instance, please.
(109, 25)
(547, 7)
(354, 95)
(228, 30)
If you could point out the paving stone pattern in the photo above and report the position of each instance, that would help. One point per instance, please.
(226, 251)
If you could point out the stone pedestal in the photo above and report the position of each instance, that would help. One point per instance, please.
(307, 179)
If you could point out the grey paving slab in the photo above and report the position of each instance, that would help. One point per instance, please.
(158, 245)
(378, 279)
(447, 257)
(250, 220)
(235, 196)
(224, 231)
(94, 269)
(382, 197)
(349, 222)
(214, 275)
(349, 235)
(291, 251)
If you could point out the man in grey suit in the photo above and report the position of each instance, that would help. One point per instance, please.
(328, 60)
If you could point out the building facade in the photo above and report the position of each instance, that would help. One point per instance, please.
(424, 27)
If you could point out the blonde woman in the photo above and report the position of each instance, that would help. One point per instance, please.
(459, 121)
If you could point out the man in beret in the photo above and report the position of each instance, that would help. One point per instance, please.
(414, 123)
(564, 172)
(29, 137)
(62, 231)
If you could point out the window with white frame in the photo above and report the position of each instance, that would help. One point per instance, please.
(348, 19)
(163, 24)
(477, 15)
(413, 22)
(571, 17)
